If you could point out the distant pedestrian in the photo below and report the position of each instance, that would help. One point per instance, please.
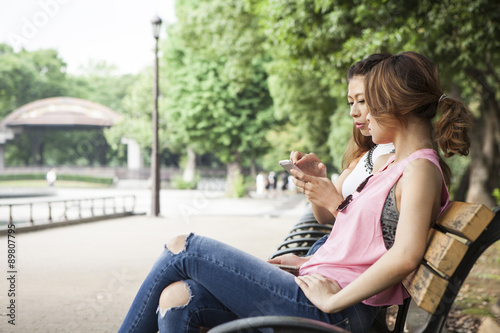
(283, 182)
(51, 177)
(261, 184)
(273, 183)
(291, 185)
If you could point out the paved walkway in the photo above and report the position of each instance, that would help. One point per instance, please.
(83, 278)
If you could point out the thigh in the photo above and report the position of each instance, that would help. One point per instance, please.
(249, 286)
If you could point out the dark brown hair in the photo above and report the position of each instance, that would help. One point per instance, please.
(358, 143)
(407, 84)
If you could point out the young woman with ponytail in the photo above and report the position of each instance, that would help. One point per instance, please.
(379, 236)
(404, 95)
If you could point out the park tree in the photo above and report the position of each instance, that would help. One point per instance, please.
(28, 76)
(100, 82)
(217, 98)
(462, 38)
(323, 38)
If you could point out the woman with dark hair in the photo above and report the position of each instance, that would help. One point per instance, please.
(203, 282)
(361, 158)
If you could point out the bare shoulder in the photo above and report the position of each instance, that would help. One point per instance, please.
(422, 168)
(423, 181)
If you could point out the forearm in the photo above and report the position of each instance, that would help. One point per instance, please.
(328, 210)
(389, 270)
(322, 215)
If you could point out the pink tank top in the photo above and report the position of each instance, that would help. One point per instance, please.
(356, 240)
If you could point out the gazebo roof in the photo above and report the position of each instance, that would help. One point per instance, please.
(61, 112)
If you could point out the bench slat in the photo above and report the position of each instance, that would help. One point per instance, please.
(426, 288)
(465, 219)
(444, 253)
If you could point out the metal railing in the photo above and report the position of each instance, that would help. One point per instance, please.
(56, 211)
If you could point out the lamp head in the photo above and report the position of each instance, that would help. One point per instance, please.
(156, 23)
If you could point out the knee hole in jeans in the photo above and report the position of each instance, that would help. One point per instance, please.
(177, 244)
(176, 295)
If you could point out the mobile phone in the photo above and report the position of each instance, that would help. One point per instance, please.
(288, 165)
(290, 269)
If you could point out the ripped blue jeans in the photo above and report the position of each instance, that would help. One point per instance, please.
(224, 284)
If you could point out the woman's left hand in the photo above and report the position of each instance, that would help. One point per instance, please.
(318, 289)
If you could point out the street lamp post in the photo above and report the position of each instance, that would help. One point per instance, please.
(155, 160)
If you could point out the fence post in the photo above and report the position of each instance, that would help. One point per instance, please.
(31, 214)
(50, 212)
(65, 210)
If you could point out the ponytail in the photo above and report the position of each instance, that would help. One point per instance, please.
(452, 128)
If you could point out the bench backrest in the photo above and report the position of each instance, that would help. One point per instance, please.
(457, 228)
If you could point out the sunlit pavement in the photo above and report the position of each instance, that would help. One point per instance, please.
(83, 278)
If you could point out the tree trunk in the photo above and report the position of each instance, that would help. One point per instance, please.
(190, 168)
(234, 170)
(485, 150)
(461, 191)
(253, 168)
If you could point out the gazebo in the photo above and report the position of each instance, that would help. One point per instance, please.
(66, 113)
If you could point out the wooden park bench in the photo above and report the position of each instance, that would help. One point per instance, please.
(462, 233)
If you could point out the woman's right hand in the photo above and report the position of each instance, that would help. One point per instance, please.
(289, 260)
(308, 163)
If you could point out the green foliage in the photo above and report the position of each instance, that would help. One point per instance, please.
(215, 103)
(88, 147)
(239, 186)
(99, 82)
(28, 76)
(60, 177)
(223, 30)
(254, 79)
(320, 39)
(88, 179)
(179, 183)
(301, 101)
(496, 194)
(341, 131)
(137, 110)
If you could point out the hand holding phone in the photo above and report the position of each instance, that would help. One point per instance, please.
(288, 165)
